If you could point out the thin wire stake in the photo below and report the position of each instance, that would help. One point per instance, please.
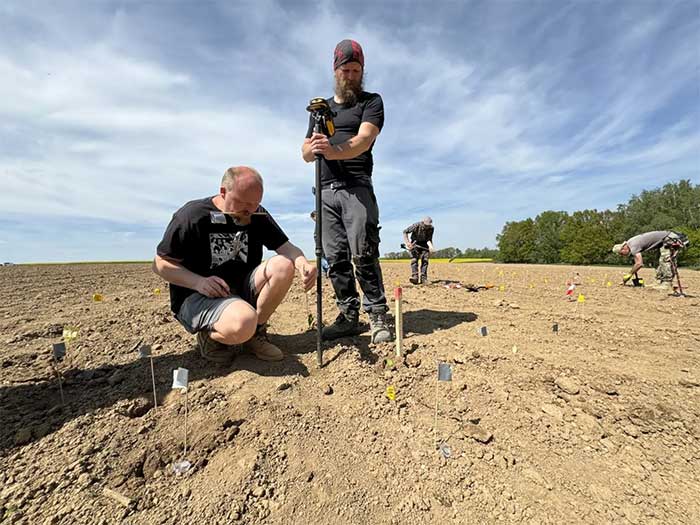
(436, 410)
(186, 411)
(153, 378)
(59, 376)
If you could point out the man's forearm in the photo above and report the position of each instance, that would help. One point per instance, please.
(175, 274)
(306, 152)
(351, 148)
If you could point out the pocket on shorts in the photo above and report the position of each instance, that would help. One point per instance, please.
(184, 316)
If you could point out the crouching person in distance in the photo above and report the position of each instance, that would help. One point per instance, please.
(211, 254)
(668, 242)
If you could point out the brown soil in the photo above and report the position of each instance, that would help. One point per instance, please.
(596, 424)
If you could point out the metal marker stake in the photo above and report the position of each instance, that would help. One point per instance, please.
(436, 409)
(399, 321)
(60, 385)
(145, 351)
(153, 378)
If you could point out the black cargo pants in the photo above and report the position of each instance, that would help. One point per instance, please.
(422, 255)
(351, 236)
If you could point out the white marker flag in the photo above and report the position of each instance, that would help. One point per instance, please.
(145, 351)
(180, 376)
(444, 372)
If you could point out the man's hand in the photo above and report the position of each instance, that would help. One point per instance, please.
(213, 286)
(409, 246)
(626, 278)
(320, 145)
(308, 275)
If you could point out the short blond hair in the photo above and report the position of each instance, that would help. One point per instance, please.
(232, 174)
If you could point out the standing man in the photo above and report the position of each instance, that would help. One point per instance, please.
(420, 247)
(668, 242)
(211, 254)
(350, 224)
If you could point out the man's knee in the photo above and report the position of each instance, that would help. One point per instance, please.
(238, 323)
(364, 260)
(280, 267)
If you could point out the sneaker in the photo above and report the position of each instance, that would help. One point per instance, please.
(343, 326)
(213, 351)
(413, 280)
(379, 328)
(260, 346)
(423, 279)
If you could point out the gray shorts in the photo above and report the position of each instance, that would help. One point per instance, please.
(200, 312)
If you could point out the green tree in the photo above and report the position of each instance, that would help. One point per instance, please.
(516, 243)
(547, 236)
(586, 238)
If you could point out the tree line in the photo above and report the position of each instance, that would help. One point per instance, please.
(450, 253)
(587, 236)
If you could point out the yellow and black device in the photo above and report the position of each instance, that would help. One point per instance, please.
(323, 115)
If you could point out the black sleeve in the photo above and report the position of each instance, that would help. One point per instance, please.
(411, 228)
(374, 111)
(174, 242)
(272, 235)
(430, 234)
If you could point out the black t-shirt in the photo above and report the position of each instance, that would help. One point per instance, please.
(357, 171)
(421, 233)
(208, 242)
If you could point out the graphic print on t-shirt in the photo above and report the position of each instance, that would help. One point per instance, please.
(228, 247)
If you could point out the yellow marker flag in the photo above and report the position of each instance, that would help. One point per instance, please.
(97, 297)
(581, 298)
(391, 392)
(502, 288)
(609, 284)
(156, 291)
(69, 335)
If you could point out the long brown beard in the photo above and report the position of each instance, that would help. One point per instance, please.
(348, 91)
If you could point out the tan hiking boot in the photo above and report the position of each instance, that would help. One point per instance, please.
(261, 347)
(213, 351)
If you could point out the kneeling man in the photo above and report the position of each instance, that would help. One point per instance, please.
(211, 254)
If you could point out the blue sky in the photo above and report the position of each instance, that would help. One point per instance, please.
(113, 114)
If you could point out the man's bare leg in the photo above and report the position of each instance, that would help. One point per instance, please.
(273, 278)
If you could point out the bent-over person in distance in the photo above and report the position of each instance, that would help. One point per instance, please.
(667, 241)
(211, 254)
(420, 246)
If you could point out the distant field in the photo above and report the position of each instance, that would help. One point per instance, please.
(457, 260)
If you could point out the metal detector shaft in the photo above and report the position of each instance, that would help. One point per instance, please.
(319, 254)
